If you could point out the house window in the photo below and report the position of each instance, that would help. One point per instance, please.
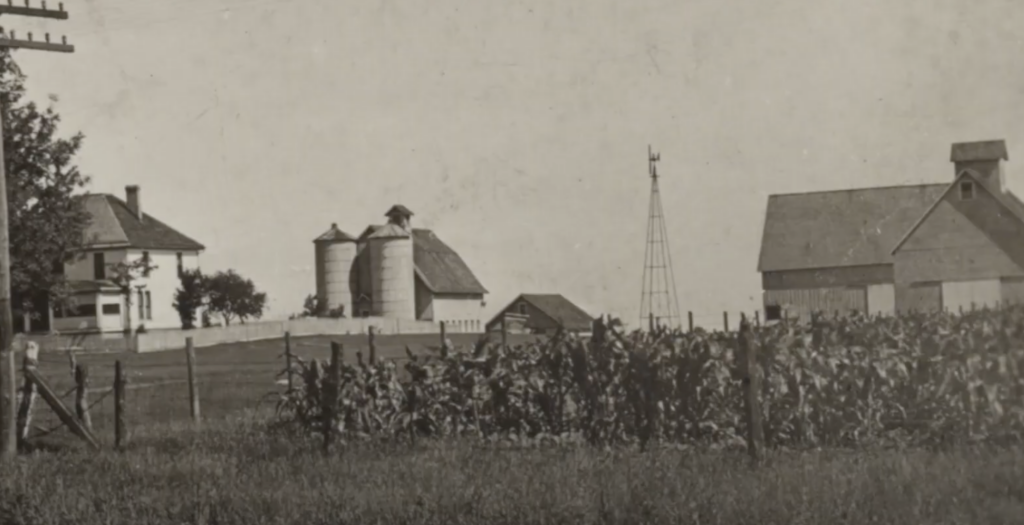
(149, 306)
(99, 266)
(112, 309)
(772, 312)
(142, 305)
(522, 308)
(966, 190)
(181, 265)
(81, 310)
(145, 264)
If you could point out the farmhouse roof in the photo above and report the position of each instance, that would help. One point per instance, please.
(440, 267)
(114, 225)
(558, 308)
(841, 228)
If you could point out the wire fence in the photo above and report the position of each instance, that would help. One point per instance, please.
(230, 380)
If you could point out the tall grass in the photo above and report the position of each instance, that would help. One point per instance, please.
(234, 472)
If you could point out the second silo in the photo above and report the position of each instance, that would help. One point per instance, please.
(393, 273)
(335, 252)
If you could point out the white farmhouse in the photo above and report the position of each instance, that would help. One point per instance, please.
(121, 232)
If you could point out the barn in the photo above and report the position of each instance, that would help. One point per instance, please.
(925, 247)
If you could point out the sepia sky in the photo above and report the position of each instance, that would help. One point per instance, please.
(518, 130)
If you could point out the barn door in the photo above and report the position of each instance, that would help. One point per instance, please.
(881, 299)
(957, 295)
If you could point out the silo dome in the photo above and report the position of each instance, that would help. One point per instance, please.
(335, 254)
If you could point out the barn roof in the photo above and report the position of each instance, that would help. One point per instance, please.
(841, 228)
(557, 307)
(440, 267)
(114, 225)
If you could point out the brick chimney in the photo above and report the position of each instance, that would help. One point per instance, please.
(984, 159)
(132, 198)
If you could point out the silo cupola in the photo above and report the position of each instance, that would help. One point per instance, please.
(400, 215)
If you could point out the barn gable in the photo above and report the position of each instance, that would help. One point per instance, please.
(969, 236)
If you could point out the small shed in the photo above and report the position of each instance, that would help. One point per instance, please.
(545, 314)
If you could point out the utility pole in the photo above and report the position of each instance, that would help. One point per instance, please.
(8, 40)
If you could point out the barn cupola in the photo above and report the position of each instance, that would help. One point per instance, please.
(400, 216)
(984, 159)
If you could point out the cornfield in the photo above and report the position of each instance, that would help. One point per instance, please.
(921, 379)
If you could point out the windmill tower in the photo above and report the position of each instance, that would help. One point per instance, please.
(659, 305)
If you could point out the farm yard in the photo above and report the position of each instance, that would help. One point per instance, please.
(915, 419)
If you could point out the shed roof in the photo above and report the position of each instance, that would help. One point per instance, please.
(841, 228)
(557, 307)
(114, 224)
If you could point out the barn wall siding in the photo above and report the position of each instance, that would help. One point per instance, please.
(827, 277)
(802, 303)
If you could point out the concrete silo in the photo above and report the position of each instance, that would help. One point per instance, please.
(393, 273)
(335, 254)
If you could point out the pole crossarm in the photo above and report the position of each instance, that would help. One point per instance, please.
(37, 45)
(34, 12)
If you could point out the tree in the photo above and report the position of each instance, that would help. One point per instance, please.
(190, 297)
(311, 308)
(232, 296)
(123, 274)
(47, 220)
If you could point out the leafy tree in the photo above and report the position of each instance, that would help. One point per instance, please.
(232, 296)
(123, 274)
(190, 297)
(47, 219)
(311, 308)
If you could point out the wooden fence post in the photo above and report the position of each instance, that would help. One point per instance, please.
(288, 358)
(689, 320)
(504, 332)
(752, 393)
(119, 420)
(372, 338)
(725, 320)
(757, 318)
(82, 396)
(28, 392)
(193, 381)
(330, 396)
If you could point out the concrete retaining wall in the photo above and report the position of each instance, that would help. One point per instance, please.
(174, 339)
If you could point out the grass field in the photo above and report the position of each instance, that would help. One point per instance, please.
(235, 472)
(232, 377)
